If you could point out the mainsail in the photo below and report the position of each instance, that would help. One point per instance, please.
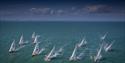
(82, 43)
(36, 39)
(21, 42)
(104, 36)
(60, 50)
(37, 50)
(73, 56)
(57, 53)
(98, 56)
(108, 47)
(33, 35)
(12, 47)
(49, 56)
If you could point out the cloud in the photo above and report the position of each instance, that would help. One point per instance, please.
(75, 11)
(47, 11)
(60, 12)
(98, 8)
(41, 11)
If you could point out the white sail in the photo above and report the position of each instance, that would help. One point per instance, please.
(12, 47)
(36, 39)
(73, 56)
(82, 43)
(33, 35)
(108, 47)
(60, 50)
(21, 40)
(49, 56)
(57, 53)
(104, 36)
(98, 56)
(36, 50)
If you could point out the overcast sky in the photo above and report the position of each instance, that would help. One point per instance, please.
(62, 10)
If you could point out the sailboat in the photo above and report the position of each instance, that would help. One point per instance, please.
(57, 53)
(104, 36)
(73, 56)
(33, 35)
(80, 56)
(49, 56)
(98, 56)
(82, 43)
(36, 39)
(12, 47)
(107, 47)
(37, 50)
(21, 41)
(60, 50)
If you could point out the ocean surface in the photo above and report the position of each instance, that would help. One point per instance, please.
(62, 34)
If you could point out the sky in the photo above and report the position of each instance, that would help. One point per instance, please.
(62, 10)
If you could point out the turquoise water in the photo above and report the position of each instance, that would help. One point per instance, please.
(60, 34)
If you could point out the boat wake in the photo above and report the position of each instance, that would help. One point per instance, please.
(41, 50)
(20, 47)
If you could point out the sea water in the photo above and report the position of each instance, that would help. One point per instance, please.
(62, 34)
